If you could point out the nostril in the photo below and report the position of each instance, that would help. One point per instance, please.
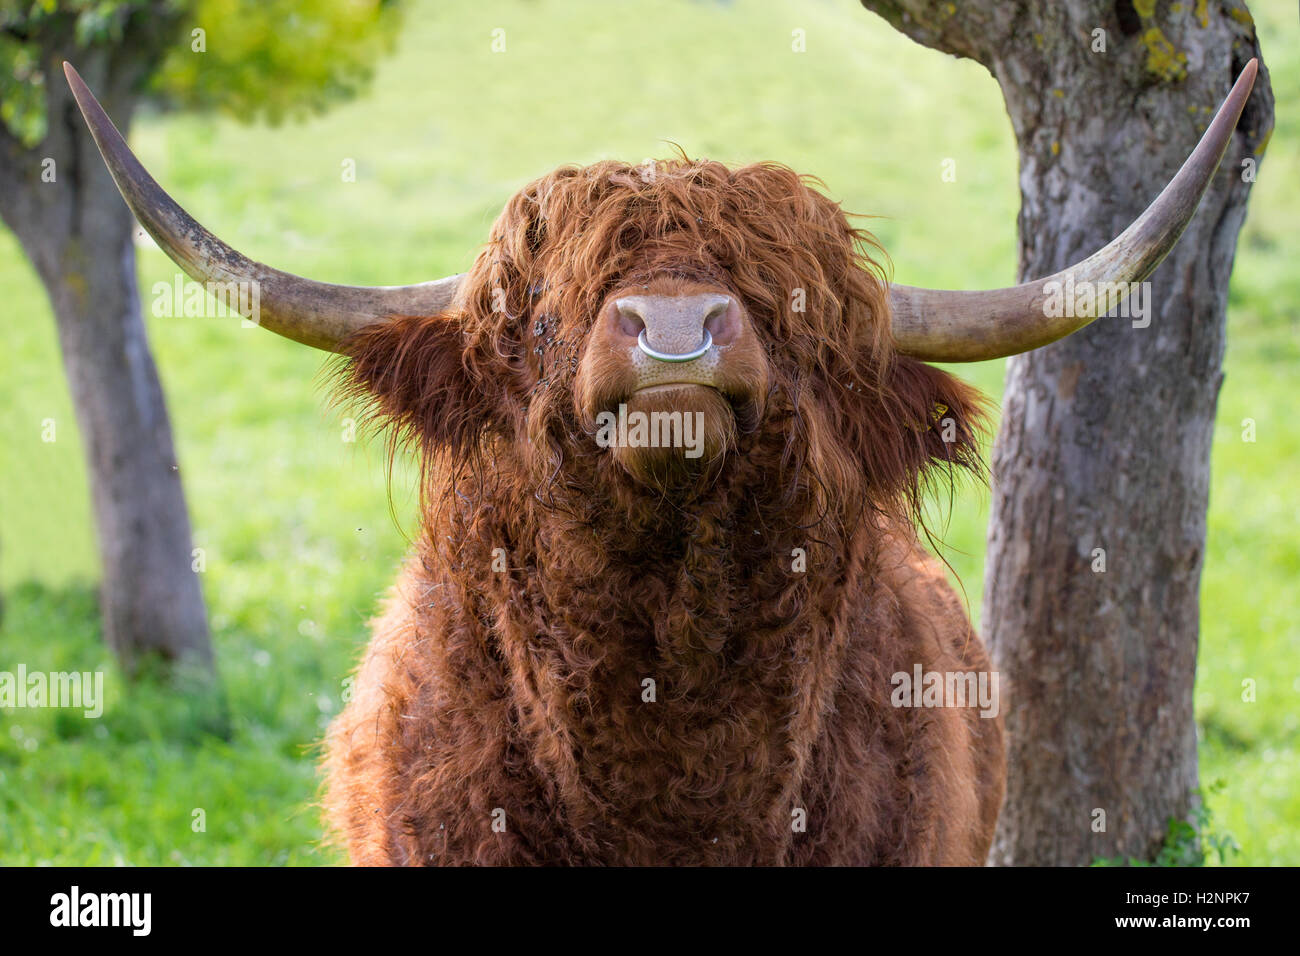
(718, 321)
(630, 320)
(630, 324)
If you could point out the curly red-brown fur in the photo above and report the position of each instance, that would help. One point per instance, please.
(501, 712)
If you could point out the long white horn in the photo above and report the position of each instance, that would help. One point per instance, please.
(313, 313)
(943, 326)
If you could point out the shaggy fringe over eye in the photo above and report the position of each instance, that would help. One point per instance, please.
(486, 389)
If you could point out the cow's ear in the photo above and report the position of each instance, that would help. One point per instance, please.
(419, 380)
(943, 420)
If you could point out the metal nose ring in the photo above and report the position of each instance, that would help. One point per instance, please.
(644, 346)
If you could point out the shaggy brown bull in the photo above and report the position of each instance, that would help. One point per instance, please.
(689, 641)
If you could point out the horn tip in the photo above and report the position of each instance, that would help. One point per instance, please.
(1244, 85)
(80, 91)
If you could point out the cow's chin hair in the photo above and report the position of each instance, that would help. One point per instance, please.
(671, 469)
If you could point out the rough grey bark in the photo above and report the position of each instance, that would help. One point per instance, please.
(1105, 436)
(77, 233)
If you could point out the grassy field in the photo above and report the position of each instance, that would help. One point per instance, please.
(295, 521)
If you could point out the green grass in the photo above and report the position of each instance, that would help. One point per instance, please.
(295, 522)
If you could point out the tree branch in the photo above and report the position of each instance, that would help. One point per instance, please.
(965, 29)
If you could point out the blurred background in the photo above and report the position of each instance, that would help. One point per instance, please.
(302, 531)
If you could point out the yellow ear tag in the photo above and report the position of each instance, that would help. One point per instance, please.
(940, 409)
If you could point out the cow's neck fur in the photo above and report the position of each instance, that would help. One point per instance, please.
(606, 593)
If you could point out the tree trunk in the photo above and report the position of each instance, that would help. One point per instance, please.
(1104, 449)
(78, 234)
